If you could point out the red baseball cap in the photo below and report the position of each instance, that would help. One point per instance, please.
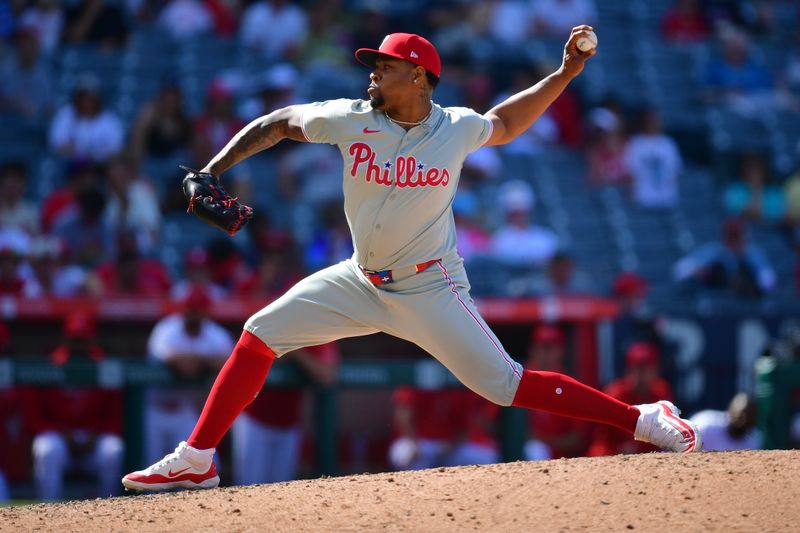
(733, 227)
(196, 256)
(197, 299)
(642, 354)
(629, 284)
(547, 334)
(79, 325)
(408, 46)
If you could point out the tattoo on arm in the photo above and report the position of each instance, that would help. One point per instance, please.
(262, 133)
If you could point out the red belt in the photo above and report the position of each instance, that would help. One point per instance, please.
(383, 277)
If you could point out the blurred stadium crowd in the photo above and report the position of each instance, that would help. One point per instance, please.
(666, 177)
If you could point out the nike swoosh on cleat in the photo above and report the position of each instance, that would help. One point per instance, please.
(685, 429)
(173, 474)
(367, 130)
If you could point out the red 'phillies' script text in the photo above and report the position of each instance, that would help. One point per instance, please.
(405, 171)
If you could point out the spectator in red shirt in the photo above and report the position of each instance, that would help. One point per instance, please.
(606, 144)
(227, 264)
(551, 436)
(79, 340)
(133, 275)
(197, 272)
(81, 176)
(641, 384)
(565, 111)
(442, 428)
(76, 427)
(224, 15)
(267, 436)
(684, 22)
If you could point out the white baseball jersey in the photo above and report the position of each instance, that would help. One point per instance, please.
(170, 338)
(713, 427)
(398, 185)
(398, 188)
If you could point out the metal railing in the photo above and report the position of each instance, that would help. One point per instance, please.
(134, 376)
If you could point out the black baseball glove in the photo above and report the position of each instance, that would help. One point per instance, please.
(209, 201)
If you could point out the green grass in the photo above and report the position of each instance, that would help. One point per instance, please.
(18, 503)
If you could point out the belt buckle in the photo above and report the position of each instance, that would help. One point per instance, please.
(379, 277)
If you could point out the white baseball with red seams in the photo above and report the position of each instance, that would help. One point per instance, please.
(398, 191)
(585, 44)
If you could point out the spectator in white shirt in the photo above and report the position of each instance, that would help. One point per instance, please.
(518, 241)
(555, 17)
(52, 276)
(510, 22)
(190, 344)
(84, 129)
(183, 19)
(654, 164)
(46, 19)
(132, 204)
(275, 28)
(730, 430)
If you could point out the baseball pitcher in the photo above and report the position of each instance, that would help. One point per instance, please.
(402, 160)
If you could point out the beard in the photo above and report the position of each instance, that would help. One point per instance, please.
(376, 101)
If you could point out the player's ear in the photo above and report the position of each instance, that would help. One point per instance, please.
(418, 76)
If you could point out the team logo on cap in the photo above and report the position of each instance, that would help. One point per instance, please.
(414, 54)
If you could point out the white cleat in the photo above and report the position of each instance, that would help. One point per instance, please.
(185, 468)
(660, 424)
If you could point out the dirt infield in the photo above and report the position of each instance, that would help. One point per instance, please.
(742, 491)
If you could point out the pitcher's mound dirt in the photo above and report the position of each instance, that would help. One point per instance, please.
(741, 491)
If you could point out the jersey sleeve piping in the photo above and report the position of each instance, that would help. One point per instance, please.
(303, 124)
(489, 136)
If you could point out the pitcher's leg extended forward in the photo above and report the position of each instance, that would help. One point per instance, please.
(447, 324)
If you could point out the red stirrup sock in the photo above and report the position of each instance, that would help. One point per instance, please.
(236, 386)
(563, 395)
